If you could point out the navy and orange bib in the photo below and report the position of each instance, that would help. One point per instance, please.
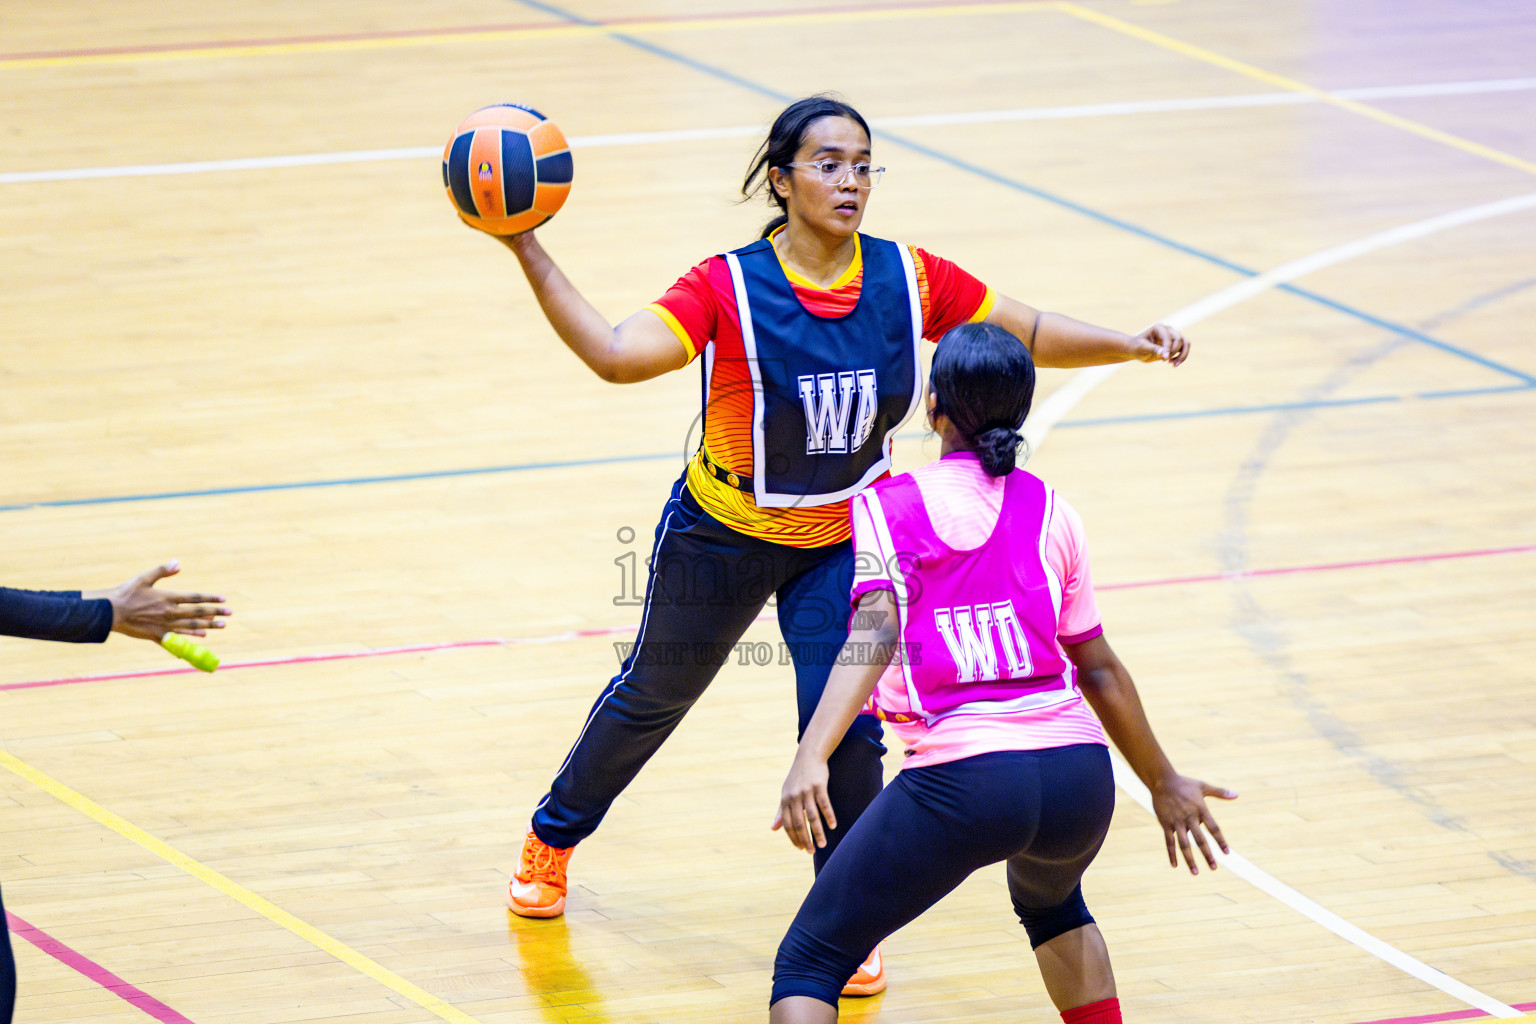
(828, 393)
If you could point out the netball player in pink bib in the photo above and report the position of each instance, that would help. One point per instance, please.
(976, 637)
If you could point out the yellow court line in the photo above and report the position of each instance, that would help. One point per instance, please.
(1292, 85)
(271, 911)
(541, 32)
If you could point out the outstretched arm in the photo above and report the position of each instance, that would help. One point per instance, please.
(1060, 341)
(135, 608)
(640, 348)
(61, 615)
(1178, 801)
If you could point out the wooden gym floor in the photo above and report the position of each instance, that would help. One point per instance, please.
(242, 327)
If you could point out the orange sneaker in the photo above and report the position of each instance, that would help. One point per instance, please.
(869, 979)
(538, 887)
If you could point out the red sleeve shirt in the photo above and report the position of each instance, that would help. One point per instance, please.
(702, 298)
(701, 308)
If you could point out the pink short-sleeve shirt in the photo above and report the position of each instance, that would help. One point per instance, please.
(963, 503)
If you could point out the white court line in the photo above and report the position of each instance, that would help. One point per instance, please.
(1063, 399)
(1242, 100)
(1060, 402)
(1267, 883)
(742, 131)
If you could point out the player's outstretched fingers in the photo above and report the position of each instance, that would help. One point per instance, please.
(196, 617)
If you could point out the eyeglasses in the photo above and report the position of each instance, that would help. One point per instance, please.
(835, 172)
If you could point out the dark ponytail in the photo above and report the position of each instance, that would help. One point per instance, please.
(983, 381)
(783, 141)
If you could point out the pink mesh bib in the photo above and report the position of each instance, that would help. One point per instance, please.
(978, 626)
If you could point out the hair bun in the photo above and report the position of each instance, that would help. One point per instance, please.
(998, 448)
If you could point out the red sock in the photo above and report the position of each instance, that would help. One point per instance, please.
(1105, 1011)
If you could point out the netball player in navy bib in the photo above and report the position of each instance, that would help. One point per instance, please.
(808, 343)
(831, 390)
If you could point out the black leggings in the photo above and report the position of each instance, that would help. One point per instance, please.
(707, 584)
(1044, 812)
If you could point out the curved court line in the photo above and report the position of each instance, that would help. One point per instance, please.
(93, 971)
(1273, 276)
(1244, 290)
(266, 908)
(1084, 382)
(1025, 188)
(1268, 884)
(1324, 95)
(597, 631)
(1065, 398)
(1267, 636)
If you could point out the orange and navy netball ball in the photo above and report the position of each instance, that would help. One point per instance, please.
(507, 169)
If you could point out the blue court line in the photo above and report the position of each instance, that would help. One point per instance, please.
(523, 467)
(1464, 392)
(1408, 332)
(303, 485)
(673, 56)
(1049, 197)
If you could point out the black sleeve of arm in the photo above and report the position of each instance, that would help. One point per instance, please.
(54, 615)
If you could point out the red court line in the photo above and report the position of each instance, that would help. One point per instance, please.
(1435, 1018)
(1326, 567)
(94, 971)
(522, 26)
(306, 659)
(578, 634)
